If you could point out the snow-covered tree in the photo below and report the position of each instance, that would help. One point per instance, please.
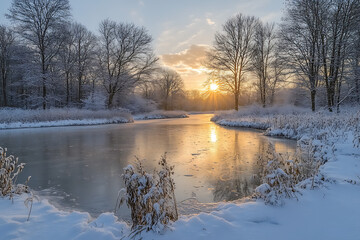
(230, 57)
(125, 55)
(41, 24)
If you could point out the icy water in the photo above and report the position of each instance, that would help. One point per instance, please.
(80, 167)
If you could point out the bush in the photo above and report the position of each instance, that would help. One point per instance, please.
(136, 104)
(150, 197)
(10, 168)
(284, 174)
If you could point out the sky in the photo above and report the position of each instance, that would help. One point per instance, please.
(182, 30)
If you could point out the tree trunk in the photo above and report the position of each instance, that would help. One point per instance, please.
(166, 103)
(67, 89)
(4, 89)
(329, 98)
(43, 77)
(236, 95)
(79, 93)
(110, 99)
(44, 93)
(313, 94)
(357, 82)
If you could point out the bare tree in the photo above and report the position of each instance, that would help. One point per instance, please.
(125, 57)
(40, 23)
(335, 27)
(300, 42)
(170, 83)
(355, 64)
(230, 57)
(67, 59)
(84, 44)
(264, 59)
(7, 40)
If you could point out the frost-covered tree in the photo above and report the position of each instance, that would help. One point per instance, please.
(264, 60)
(77, 59)
(84, 46)
(41, 24)
(169, 84)
(336, 26)
(7, 42)
(125, 55)
(316, 38)
(230, 57)
(300, 43)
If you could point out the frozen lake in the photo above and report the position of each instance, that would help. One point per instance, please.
(80, 167)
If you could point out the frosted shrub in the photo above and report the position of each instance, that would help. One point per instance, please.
(284, 174)
(10, 168)
(150, 197)
(136, 104)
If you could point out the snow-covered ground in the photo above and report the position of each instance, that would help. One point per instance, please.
(328, 212)
(18, 118)
(161, 115)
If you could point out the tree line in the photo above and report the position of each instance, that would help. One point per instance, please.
(315, 47)
(47, 60)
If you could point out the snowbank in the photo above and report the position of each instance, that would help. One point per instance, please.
(47, 222)
(293, 123)
(19, 118)
(161, 115)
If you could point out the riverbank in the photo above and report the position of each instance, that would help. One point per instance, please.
(19, 118)
(328, 212)
(159, 114)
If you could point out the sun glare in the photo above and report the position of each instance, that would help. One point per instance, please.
(213, 86)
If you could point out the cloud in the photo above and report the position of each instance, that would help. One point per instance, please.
(189, 64)
(177, 37)
(209, 21)
(192, 57)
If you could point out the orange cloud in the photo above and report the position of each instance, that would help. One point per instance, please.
(189, 64)
(192, 57)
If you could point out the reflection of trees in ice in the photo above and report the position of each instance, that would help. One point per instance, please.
(238, 183)
(232, 189)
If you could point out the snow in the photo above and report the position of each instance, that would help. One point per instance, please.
(161, 115)
(11, 118)
(82, 122)
(47, 222)
(19, 118)
(330, 211)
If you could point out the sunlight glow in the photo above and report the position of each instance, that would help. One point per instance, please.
(213, 87)
(213, 135)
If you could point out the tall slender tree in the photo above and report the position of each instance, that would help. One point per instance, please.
(125, 56)
(170, 83)
(263, 59)
(300, 42)
(230, 57)
(341, 18)
(40, 23)
(7, 41)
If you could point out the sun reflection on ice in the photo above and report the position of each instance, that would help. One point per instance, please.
(213, 135)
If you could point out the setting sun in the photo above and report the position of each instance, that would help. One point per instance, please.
(213, 86)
